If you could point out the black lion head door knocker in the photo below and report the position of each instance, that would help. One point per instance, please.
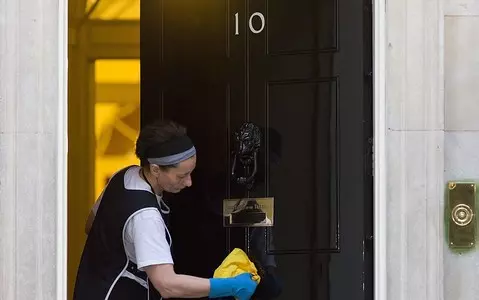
(245, 157)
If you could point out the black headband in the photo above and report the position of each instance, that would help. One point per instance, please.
(172, 147)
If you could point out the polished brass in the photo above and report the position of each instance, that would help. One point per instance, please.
(248, 212)
(461, 214)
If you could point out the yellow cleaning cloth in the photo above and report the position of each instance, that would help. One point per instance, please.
(236, 263)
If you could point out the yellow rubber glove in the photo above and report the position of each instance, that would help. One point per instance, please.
(236, 263)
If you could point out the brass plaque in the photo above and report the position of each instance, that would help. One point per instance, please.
(248, 212)
(461, 214)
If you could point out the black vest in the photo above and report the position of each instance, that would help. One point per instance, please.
(104, 258)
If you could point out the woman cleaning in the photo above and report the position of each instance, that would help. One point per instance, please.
(127, 253)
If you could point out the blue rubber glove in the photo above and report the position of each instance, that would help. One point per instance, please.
(241, 287)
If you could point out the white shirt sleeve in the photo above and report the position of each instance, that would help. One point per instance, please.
(146, 238)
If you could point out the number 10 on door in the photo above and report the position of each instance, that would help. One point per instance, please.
(250, 23)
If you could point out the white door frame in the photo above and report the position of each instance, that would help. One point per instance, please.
(380, 126)
(62, 153)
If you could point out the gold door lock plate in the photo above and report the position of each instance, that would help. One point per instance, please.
(461, 214)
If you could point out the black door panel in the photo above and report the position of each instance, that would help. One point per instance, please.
(296, 69)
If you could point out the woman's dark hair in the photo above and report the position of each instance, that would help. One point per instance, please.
(156, 133)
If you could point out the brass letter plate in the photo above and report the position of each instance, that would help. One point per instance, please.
(461, 214)
(248, 212)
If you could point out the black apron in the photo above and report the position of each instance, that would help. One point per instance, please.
(104, 259)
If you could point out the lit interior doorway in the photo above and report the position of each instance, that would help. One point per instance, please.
(103, 105)
(117, 117)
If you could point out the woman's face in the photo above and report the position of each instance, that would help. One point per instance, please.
(173, 180)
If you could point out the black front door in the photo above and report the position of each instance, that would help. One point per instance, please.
(300, 71)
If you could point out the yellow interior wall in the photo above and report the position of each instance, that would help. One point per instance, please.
(101, 95)
(98, 92)
(117, 95)
(80, 152)
(117, 71)
(114, 9)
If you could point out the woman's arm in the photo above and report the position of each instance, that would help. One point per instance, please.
(172, 285)
(146, 231)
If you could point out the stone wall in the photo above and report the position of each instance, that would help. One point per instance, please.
(32, 147)
(461, 139)
(432, 90)
(415, 150)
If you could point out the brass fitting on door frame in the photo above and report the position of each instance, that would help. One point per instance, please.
(461, 215)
